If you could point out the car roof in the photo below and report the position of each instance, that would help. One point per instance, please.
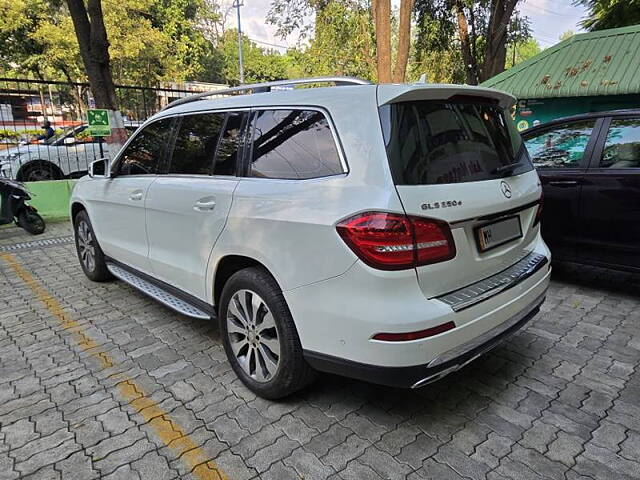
(328, 96)
(581, 116)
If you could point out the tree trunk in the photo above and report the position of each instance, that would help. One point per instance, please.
(465, 44)
(94, 49)
(382, 11)
(496, 47)
(404, 41)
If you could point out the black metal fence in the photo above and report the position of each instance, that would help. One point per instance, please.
(29, 153)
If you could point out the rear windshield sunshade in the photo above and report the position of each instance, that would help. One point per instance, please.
(434, 142)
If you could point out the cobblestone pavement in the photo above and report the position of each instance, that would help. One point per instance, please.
(98, 381)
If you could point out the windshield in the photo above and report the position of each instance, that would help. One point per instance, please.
(430, 142)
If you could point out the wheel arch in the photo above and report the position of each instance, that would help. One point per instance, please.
(227, 266)
(76, 208)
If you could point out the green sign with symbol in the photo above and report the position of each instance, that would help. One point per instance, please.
(98, 120)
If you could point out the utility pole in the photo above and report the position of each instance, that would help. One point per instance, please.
(237, 4)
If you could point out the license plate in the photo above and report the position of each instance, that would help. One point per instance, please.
(498, 233)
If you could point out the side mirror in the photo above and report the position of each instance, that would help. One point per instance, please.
(69, 141)
(99, 168)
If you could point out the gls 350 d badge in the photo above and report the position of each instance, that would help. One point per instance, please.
(443, 204)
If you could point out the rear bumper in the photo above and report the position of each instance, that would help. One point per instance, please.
(419, 375)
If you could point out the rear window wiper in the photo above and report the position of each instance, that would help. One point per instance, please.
(506, 169)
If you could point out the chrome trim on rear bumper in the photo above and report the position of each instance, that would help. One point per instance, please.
(488, 287)
(471, 350)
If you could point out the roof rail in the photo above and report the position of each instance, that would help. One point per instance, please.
(266, 87)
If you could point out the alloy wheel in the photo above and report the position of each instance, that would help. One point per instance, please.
(38, 174)
(253, 335)
(86, 246)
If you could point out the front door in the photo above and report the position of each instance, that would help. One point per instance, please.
(117, 208)
(610, 204)
(561, 155)
(187, 207)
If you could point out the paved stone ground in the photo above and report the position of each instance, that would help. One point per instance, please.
(561, 400)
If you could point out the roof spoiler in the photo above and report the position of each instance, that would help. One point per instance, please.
(410, 93)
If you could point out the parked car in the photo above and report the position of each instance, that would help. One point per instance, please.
(590, 170)
(383, 232)
(62, 156)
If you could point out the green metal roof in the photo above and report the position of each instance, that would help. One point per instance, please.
(587, 64)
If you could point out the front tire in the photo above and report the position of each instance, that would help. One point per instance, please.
(260, 337)
(89, 252)
(31, 222)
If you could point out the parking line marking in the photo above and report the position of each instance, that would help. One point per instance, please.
(164, 427)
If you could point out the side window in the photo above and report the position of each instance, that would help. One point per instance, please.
(622, 147)
(143, 154)
(562, 147)
(293, 144)
(226, 158)
(196, 143)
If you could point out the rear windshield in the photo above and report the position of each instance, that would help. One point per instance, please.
(431, 142)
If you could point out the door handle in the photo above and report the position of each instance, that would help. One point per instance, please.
(564, 183)
(204, 206)
(136, 195)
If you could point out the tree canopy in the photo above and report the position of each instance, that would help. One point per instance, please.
(603, 14)
(149, 40)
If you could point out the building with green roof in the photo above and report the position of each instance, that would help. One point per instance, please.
(588, 72)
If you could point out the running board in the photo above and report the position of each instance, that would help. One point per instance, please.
(157, 293)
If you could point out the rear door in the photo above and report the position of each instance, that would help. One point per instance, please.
(187, 207)
(610, 205)
(561, 155)
(463, 161)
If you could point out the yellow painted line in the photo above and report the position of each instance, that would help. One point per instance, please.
(163, 426)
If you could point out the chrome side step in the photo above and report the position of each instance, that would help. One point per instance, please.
(157, 293)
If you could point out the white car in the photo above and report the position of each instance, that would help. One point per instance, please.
(384, 232)
(66, 155)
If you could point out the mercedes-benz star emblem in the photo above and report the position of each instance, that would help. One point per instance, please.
(505, 189)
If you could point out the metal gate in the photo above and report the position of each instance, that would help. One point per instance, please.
(25, 105)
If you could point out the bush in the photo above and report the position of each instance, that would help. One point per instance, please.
(9, 135)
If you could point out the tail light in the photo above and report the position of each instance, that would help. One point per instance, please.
(389, 241)
(536, 221)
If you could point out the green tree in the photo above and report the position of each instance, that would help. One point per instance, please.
(603, 14)
(149, 41)
(343, 44)
(518, 52)
(566, 35)
(354, 25)
(483, 30)
(260, 65)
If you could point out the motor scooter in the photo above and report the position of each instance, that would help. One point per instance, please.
(13, 207)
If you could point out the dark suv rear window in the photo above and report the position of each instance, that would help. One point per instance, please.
(430, 142)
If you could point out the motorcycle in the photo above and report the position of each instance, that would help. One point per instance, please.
(13, 207)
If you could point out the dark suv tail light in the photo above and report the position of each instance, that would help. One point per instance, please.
(390, 241)
(536, 220)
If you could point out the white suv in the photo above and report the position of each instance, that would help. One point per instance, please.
(384, 232)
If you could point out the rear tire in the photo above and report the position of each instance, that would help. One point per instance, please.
(260, 337)
(89, 252)
(31, 222)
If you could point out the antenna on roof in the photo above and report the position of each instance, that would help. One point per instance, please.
(423, 78)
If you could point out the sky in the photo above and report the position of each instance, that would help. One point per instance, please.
(549, 19)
